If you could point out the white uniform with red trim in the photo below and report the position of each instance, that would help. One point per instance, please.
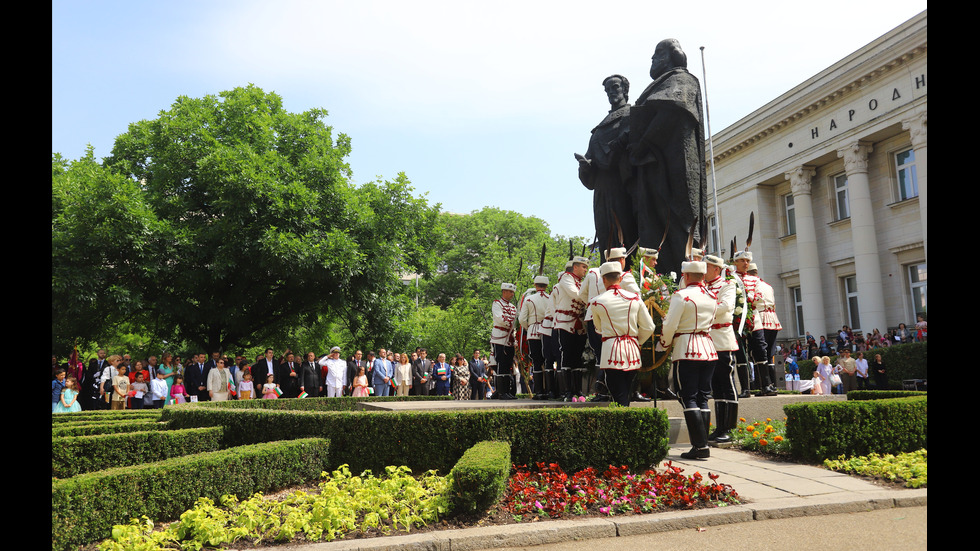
(752, 297)
(624, 323)
(688, 324)
(568, 307)
(534, 309)
(722, 332)
(766, 314)
(592, 286)
(504, 315)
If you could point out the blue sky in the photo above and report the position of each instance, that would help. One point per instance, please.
(479, 106)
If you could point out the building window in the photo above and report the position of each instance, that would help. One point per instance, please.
(713, 234)
(790, 214)
(851, 294)
(908, 183)
(798, 301)
(840, 197)
(917, 284)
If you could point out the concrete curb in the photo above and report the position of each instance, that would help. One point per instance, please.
(557, 531)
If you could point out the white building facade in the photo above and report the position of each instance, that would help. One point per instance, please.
(835, 172)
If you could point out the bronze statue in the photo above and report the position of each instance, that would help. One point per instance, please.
(666, 147)
(605, 169)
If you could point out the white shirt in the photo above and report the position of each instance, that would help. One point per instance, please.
(862, 367)
(336, 372)
(158, 389)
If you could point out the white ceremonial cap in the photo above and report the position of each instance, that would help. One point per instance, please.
(508, 287)
(580, 260)
(751, 267)
(335, 349)
(747, 255)
(609, 268)
(568, 265)
(541, 280)
(714, 260)
(648, 253)
(694, 267)
(699, 253)
(616, 253)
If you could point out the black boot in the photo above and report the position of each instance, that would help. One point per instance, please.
(721, 418)
(537, 381)
(767, 386)
(551, 384)
(697, 434)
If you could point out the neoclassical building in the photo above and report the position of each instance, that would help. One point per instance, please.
(835, 172)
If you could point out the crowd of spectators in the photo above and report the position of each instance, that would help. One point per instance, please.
(812, 348)
(121, 382)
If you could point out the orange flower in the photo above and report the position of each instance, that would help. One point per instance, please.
(763, 442)
(778, 438)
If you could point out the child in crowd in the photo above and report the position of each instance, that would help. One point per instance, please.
(270, 387)
(178, 392)
(120, 388)
(246, 388)
(68, 401)
(139, 388)
(360, 383)
(158, 390)
(57, 387)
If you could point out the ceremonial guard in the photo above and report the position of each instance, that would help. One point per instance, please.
(593, 286)
(688, 325)
(624, 323)
(652, 281)
(569, 311)
(549, 342)
(752, 339)
(767, 319)
(502, 340)
(719, 282)
(533, 310)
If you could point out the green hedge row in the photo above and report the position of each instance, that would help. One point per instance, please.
(902, 361)
(573, 437)
(479, 478)
(88, 429)
(75, 455)
(340, 403)
(882, 394)
(826, 430)
(104, 415)
(85, 507)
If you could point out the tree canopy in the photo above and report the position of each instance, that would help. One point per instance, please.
(228, 220)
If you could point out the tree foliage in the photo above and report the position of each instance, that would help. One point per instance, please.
(229, 221)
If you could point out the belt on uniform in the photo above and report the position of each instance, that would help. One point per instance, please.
(720, 325)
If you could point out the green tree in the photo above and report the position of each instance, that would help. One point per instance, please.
(251, 226)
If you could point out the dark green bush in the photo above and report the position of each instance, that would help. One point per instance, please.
(74, 455)
(826, 430)
(340, 403)
(479, 478)
(104, 415)
(87, 429)
(85, 507)
(882, 394)
(573, 437)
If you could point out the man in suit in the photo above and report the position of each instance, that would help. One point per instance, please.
(90, 395)
(478, 376)
(196, 378)
(261, 370)
(383, 373)
(353, 365)
(422, 373)
(288, 376)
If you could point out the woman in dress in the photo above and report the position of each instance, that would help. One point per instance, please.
(460, 378)
(219, 379)
(877, 369)
(168, 369)
(403, 375)
(68, 402)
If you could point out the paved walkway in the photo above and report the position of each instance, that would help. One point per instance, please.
(809, 503)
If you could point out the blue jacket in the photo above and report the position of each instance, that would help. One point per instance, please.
(382, 369)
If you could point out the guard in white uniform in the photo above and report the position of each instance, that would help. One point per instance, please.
(624, 323)
(653, 281)
(688, 326)
(753, 339)
(502, 341)
(721, 282)
(534, 309)
(767, 319)
(569, 311)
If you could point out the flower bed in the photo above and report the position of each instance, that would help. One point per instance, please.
(548, 492)
(768, 437)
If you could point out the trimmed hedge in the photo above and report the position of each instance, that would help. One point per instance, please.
(88, 429)
(479, 478)
(104, 415)
(576, 438)
(882, 394)
(340, 403)
(85, 507)
(826, 430)
(75, 455)
(902, 361)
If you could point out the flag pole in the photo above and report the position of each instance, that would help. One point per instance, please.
(711, 151)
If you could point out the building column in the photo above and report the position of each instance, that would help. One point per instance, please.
(867, 265)
(917, 130)
(806, 250)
